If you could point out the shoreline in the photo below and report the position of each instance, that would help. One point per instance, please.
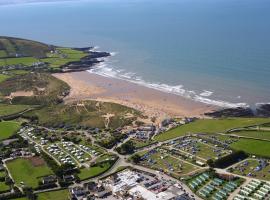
(153, 103)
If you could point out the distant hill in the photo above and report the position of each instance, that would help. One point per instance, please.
(10, 47)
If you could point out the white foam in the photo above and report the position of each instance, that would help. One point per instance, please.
(107, 70)
(206, 93)
(113, 53)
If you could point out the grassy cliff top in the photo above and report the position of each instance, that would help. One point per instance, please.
(10, 47)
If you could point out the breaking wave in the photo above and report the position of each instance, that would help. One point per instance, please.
(107, 69)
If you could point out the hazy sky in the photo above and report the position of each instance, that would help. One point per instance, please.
(4, 2)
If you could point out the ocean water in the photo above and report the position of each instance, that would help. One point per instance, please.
(212, 51)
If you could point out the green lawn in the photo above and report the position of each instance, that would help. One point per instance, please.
(22, 170)
(87, 173)
(253, 147)
(55, 195)
(210, 126)
(254, 134)
(8, 109)
(3, 187)
(23, 198)
(8, 128)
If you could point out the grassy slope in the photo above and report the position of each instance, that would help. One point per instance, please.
(11, 46)
(3, 77)
(254, 147)
(8, 128)
(3, 187)
(8, 109)
(16, 61)
(45, 87)
(56, 60)
(210, 126)
(55, 195)
(93, 171)
(22, 170)
(254, 134)
(88, 115)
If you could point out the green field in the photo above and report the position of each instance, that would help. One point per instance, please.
(255, 134)
(16, 61)
(64, 56)
(8, 128)
(55, 195)
(2, 174)
(3, 187)
(3, 53)
(3, 77)
(253, 147)
(22, 170)
(87, 173)
(210, 126)
(8, 109)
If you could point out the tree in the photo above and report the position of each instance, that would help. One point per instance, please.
(136, 158)
(126, 148)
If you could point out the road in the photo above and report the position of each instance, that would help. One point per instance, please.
(122, 162)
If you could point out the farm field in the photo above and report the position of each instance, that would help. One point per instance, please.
(248, 168)
(8, 109)
(8, 128)
(255, 134)
(209, 126)
(28, 61)
(64, 56)
(55, 195)
(28, 171)
(253, 147)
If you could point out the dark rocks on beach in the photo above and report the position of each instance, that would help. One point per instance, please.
(263, 110)
(86, 62)
(232, 112)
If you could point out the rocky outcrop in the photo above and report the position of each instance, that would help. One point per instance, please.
(86, 62)
(232, 112)
(263, 110)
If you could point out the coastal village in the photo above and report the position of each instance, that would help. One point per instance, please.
(88, 149)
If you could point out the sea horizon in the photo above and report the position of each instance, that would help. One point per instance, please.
(220, 57)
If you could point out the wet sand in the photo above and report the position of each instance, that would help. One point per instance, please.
(85, 85)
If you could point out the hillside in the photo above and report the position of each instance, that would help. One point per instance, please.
(10, 47)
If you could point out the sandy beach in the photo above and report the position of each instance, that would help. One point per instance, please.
(86, 86)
